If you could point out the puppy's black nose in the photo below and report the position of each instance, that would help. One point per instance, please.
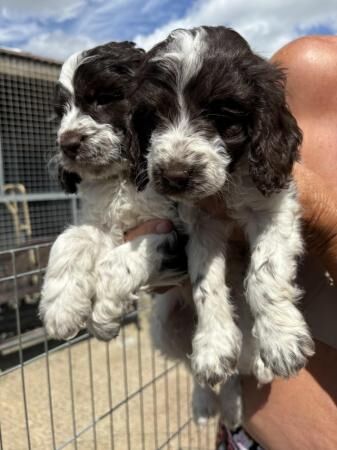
(175, 178)
(70, 142)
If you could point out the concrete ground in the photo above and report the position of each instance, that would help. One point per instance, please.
(156, 415)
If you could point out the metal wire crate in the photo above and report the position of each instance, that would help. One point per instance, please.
(82, 394)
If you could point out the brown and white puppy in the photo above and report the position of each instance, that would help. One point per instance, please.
(92, 276)
(211, 118)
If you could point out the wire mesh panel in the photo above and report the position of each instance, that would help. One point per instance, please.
(27, 130)
(27, 141)
(85, 394)
(82, 394)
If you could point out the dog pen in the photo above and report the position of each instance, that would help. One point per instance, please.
(80, 394)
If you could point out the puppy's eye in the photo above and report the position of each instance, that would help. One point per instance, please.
(225, 108)
(59, 110)
(227, 117)
(60, 107)
(62, 99)
(107, 98)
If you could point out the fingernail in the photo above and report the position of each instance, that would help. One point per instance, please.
(164, 227)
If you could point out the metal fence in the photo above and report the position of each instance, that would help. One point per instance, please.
(82, 394)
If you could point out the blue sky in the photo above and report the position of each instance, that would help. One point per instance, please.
(57, 28)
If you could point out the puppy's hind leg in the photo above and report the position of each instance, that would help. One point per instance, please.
(172, 324)
(231, 402)
(205, 404)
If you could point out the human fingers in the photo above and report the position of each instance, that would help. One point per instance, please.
(155, 226)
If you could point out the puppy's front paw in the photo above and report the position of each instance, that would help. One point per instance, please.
(205, 404)
(107, 315)
(284, 342)
(64, 317)
(215, 354)
(104, 330)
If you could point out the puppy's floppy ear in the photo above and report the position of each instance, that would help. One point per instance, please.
(276, 137)
(68, 180)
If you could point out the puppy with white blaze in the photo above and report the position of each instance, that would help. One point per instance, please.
(211, 118)
(92, 276)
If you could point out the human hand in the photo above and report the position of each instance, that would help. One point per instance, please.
(155, 226)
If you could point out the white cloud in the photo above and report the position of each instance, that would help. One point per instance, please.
(57, 44)
(56, 9)
(14, 31)
(267, 25)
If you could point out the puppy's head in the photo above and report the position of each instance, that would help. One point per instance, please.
(91, 101)
(204, 101)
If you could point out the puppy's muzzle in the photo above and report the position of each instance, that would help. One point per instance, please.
(174, 179)
(70, 143)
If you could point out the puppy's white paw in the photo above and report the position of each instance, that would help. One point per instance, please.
(104, 331)
(64, 317)
(215, 353)
(284, 342)
(205, 404)
(106, 317)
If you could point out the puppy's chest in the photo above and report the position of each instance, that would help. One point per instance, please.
(112, 206)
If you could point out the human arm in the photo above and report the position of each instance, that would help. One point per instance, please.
(319, 213)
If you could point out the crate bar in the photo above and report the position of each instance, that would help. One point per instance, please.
(18, 325)
(167, 405)
(26, 248)
(38, 197)
(108, 364)
(46, 350)
(72, 397)
(140, 378)
(189, 400)
(178, 403)
(92, 395)
(126, 390)
(50, 398)
(154, 396)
